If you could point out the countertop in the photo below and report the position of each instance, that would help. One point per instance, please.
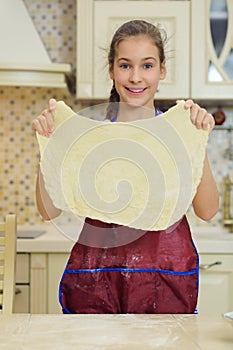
(210, 240)
(118, 332)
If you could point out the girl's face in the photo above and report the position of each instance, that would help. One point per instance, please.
(137, 70)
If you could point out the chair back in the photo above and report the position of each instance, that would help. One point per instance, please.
(7, 263)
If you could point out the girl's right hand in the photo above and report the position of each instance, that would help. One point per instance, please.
(44, 123)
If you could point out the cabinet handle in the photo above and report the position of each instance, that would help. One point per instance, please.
(208, 266)
(17, 291)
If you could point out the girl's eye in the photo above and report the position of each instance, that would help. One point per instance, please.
(147, 66)
(125, 66)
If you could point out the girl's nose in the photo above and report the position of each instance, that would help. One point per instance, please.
(135, 75)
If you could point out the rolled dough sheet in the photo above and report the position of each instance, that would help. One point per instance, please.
(142, 174)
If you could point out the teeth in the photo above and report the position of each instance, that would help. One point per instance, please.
(136, 90)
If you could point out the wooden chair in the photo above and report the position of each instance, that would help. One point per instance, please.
(7, 263)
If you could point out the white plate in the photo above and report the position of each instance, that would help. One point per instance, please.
(229, 317)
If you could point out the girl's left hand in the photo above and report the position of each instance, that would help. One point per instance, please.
(199, 116)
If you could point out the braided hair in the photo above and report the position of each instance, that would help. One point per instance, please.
(128, 29)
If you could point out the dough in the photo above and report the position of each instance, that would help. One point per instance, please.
(142, 174)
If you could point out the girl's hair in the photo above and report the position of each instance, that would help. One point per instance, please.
(128, 29)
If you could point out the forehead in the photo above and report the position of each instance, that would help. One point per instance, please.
(137, 46)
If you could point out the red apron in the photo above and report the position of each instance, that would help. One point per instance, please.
(155, 273)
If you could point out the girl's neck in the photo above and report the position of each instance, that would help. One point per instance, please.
(129, 112)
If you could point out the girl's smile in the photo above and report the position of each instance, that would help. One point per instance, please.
(136, 91)
(137, 70)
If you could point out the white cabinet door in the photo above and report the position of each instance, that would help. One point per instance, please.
(216, 284)
(21, 301)
(97, 21)
(38, 283)
(212, 49)
(56, 266)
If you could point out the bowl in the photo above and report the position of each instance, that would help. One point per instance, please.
(229, 317)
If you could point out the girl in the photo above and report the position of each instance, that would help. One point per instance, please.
(158, 272)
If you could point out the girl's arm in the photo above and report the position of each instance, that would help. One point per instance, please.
(44, 125)
(44, 203)
(206, 200)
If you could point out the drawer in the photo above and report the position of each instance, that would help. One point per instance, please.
(21, 301)
(22, 267)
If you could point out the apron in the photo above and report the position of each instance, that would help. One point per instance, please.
(157, 272)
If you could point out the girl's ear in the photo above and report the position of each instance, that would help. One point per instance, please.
(110, 71)
(163, 70)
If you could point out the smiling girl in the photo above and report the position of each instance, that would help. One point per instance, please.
(136, 70)
(158, 272)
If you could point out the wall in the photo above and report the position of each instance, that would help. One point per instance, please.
(55, 22)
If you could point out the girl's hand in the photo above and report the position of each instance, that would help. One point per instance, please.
(199, 116)
(44, 123)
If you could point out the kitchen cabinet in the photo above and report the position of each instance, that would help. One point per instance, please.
(212, 49)
(37, 282)
(98, 20)
(22, 289)
(216, 283)
(199, 49)
(215, 288)
(31, 283)
(41, 262)
(56, 266)
(39, 293)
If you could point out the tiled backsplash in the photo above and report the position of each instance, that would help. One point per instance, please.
(19, 150)
(55, 21)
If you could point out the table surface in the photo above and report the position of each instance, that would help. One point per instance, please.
(118, 332)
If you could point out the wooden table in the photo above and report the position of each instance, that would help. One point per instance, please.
(86, 332)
